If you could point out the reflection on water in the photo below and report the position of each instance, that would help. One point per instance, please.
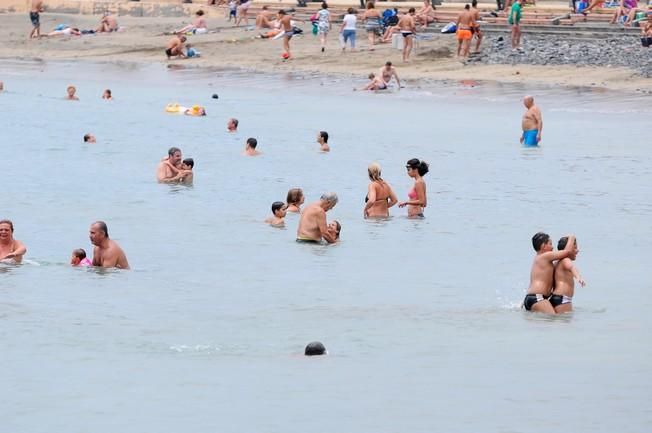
(422, 317)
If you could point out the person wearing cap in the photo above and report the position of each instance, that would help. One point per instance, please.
(312, 223)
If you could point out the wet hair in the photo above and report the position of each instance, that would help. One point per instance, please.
(330, 197)
(315, 348)
(324, 136)
(235, 121)
(173, 150)
(87, 137)
(421, 166)
(103, 227)
(277, 205)
(294, 195)
(374, 171)
(324, 5)
(199, 12)
(190, 162)
(539, 239)
(252, 142)
(467, 6)
(79, 253)
(11, 225)
(338, 227)
(411, 10)
(562, 243)
(350, 11)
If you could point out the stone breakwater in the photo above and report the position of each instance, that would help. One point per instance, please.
(623, 51)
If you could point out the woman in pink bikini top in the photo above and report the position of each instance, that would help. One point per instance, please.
(416, 169)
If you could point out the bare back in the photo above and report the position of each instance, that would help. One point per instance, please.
(541, 275)
(406, 23)
(465, 20)
(311, 222)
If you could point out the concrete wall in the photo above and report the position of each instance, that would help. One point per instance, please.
(172, 8)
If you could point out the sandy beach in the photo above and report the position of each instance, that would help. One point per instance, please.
(144, 39)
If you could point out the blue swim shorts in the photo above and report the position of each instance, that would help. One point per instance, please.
(530, 137)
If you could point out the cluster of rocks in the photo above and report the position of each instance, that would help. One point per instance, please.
(623, 51)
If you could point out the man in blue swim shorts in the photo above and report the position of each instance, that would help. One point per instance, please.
(532, 123)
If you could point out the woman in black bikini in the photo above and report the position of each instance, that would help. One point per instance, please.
(380, 196)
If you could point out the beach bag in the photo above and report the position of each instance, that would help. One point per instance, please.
(315, 28)
(449, 28)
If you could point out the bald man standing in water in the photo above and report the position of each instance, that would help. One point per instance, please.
(312, 224)
(532, 123)
(106, 252)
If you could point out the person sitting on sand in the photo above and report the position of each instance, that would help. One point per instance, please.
(71, 90)
(322, 139)
(11, 250)
(198, 25)
(107, 95)
(79, 258)
(175, 47)
(108, 24)
(295, 199)
(623, 10)
(279, 210)
(426, 14)
(376, 83)
(391, 29)
(66, 31)
(191, 52)
(250, 147)
(264, 20)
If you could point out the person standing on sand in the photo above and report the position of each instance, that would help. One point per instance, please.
(515, 21)
(477, 34)
(11, 250)
(106, 252)
(175, 47)
(465, 24)
(373, 24)
(285, 21)
(312, 223)
(542, 273)
(323, 25)
(408, 29)
(532, 123)
(348, 28)
(34, 16)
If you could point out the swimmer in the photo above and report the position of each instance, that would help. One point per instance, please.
(408, 29)
(175, 47)
(387, 72)
(532, 123)
(250, 147)
(2, 86)
(168, 168)
(541, 275)
(108, 24)
(417, 195)
(198, 25)
(335, 228)
(465, 24)
(295, 199)
(380, 196)
(79, 258)
(322, 139)
(376, 83)
(279, 210)
(71, 90)
(565, 275)
(11, 250)
(89, 138)
(315, 348)
(34, 16)
(107, 95)
(312, 224)
(195, 110)
(232, 125)
(185, 174)
(106, 252)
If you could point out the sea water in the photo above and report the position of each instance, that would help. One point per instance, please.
(421, 318)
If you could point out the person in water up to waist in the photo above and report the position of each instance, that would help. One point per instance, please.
(11, 250)
(532, 123)
(312, 223)
(380, 196)
(417, 195)
(565, 275)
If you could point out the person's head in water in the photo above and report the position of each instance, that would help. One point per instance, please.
(336, 227)
(416, 166)
(89, 138)
(279, 209)
(188, 164)
(98, 232)
(330, 199)
(541, 242)
(232, 125)
(77, 256)
(71, 90)
(107, 94)
(315, 348)
(251, 143)
(374, 172)
(174, 155)
(562, 245)
(295, 197)
(322, 137)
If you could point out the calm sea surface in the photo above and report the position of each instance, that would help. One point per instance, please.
(421, 318)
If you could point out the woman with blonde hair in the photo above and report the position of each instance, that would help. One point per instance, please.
(294, 200)
(380, 196)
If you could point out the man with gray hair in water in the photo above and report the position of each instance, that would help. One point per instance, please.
(106, 252)
(312, 224)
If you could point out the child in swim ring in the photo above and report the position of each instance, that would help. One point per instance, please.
(79, 258)
(279, 210)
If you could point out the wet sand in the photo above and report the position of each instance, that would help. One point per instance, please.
(144, 41)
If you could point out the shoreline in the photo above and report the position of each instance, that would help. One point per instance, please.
(143, 42)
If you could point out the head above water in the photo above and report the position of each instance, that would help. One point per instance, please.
(374, 171)
(80, 253)
(89, 138)
(8, 223)
(561, 245)
(330, 198)
(539, 240)
(232, 124)
(315, 348)
(278, 207)
(252, 142)
(189, 162)
(338, 228)
(98, 232)
(295, 196)
(422, 167)
(324, 136)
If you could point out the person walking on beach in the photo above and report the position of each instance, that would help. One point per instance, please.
(106, 252)
(347, 30)
(387, 72)
(532, 123)
(312, 223)
(323, 25)
(175, 47)
(373, 20)
(465, 24)
(11, 250)
(565, 275)
(408, 29)
(515, 21)
(35, 17)
(542, 273)
(242, 13)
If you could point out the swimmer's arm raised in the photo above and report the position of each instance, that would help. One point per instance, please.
(558, 255)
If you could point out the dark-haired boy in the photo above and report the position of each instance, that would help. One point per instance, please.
(542, 273)
(565, 274)
(279, 210)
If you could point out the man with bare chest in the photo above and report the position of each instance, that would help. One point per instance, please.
(106, 252)
(532, 123)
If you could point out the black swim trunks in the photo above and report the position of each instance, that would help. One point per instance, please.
(531, 299)
(557, 300)
(34, 17)
(169, 52)
(307, 241)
